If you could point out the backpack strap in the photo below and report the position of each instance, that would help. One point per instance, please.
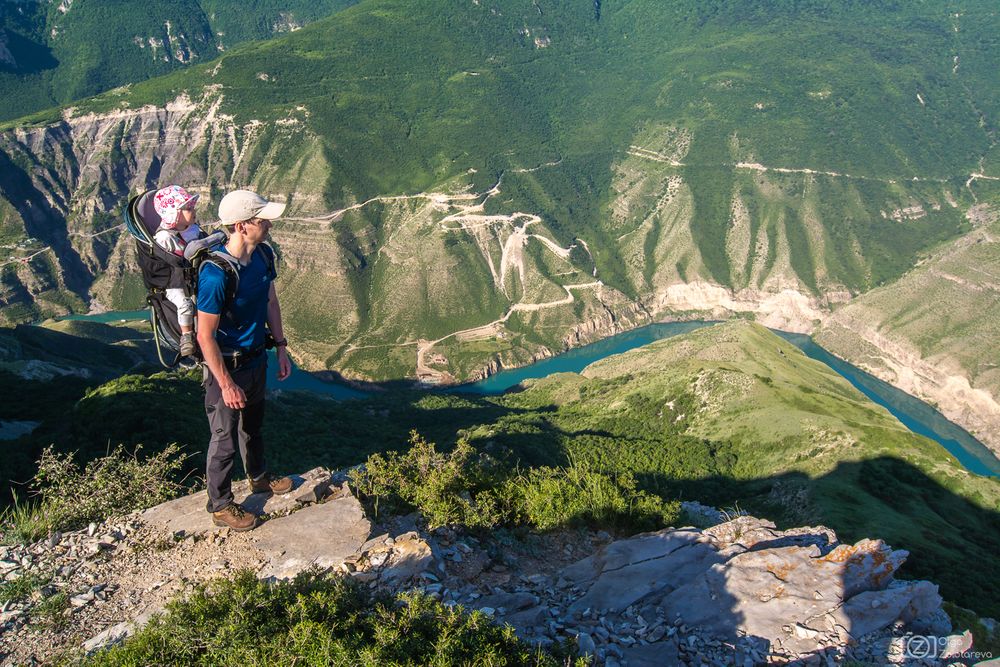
(269, 258)
(229, 266)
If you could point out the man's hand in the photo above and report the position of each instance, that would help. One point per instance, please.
(284, 364)
(233, 396)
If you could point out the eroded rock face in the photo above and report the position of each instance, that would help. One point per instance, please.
(792, 592)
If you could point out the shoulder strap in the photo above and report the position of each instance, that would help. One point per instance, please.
(269, 259)
(228, 264)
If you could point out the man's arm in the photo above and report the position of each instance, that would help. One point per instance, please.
(274, 324)
(231, 393)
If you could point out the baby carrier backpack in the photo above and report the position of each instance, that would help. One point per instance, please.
(163, 270)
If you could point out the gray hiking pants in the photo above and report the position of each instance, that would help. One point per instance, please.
(232, 430)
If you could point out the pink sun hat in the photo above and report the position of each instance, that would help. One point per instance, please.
(169, 200)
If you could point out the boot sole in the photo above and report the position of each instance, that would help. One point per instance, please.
(272, 491)
(223, 524)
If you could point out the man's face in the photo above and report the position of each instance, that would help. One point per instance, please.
(256, 229)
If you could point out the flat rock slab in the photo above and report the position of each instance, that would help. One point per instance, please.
(189, 516)
(322, 535)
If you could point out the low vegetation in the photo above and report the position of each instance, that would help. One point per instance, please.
(316, 620)
(475, 490)
(69, 497)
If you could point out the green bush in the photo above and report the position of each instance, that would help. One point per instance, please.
(106, 487)
(473, 489)
(554, 497)
(461, 487)
(316, 620)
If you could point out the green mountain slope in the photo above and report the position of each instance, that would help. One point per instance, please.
(482, 184)
(53, 53)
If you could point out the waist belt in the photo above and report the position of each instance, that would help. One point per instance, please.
(236, 358)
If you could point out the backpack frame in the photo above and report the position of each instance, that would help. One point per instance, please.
(163, 270)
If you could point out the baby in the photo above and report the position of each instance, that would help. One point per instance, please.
(175, 206)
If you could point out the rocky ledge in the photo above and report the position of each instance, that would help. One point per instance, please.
(737, 593)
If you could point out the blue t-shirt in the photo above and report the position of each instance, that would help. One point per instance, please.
(242, 328)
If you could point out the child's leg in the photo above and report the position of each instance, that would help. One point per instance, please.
(185, 308)
(185, 318)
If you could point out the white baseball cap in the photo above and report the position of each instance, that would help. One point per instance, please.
(240, 205)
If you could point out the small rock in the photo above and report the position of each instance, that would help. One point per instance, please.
(12, 615)
(378, 559)
(92, 528)
(802, 632)
(586, 644)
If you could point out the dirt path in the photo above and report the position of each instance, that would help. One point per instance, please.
(427, 374)
(640, 152)
(28, 258)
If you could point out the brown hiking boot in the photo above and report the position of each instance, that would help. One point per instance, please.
(234, 517)
(268, 483)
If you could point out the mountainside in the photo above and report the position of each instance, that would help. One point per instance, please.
(55, 52)
(481, 184)
(934, 332)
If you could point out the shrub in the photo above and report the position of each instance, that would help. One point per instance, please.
(460, 487)
(318, 620)
(108, 486)
(555, 497)
(473, 489)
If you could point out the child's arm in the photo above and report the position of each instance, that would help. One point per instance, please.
(168, 242)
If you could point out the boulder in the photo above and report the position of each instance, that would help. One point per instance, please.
(321, 535)
(623, 572)
(795, 590)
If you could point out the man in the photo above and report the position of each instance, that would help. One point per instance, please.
(232, 335)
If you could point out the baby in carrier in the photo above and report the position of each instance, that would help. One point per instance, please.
(178, 226)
